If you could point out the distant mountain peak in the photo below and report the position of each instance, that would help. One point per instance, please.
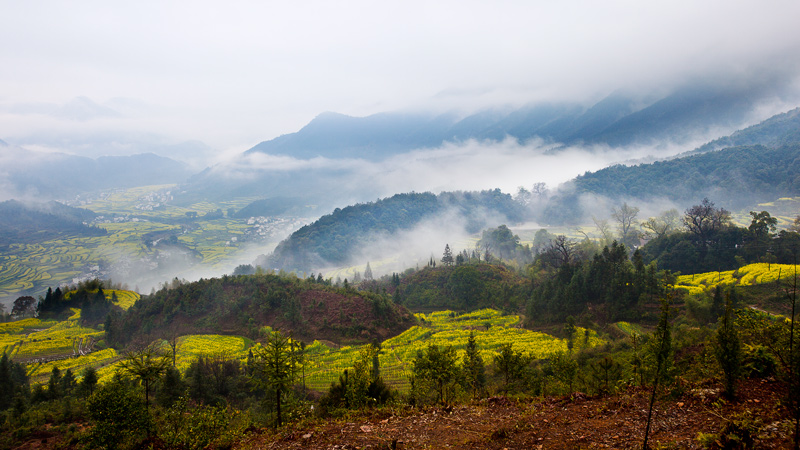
(618, 120)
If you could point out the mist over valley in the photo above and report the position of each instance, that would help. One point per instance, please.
(399, 225)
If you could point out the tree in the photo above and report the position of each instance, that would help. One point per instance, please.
(437, 366)
(368, 273)
(626, 217)
(273, 369)
(147, 364)
(564, 368)
(704, 220)
(509, 364)
(662, 352)
(539, 189)
(523, 196)
(569, 332)
(561, 251)
(172, 388)
(88, 381)
(500, 242)
(23, 306)
(604, 230)
(54, 384)
(118, 415)
(661, 225)
(68, 383)
(762, 224)
(729, 349)
(447, 257)
(474, 369)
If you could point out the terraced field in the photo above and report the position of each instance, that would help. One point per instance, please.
(746, 276)
(127, 216)
(33, 341)
(444, 328)
(44, 344)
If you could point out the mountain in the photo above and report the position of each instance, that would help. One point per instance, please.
(21, 223)
(778, 130)
(61, 176)
(336, 238)
(734, 177)
(618, 120)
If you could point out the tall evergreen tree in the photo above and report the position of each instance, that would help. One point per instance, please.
(274, 370)
(447, 257)
(729, 349)
(474, 368)
(368, 273)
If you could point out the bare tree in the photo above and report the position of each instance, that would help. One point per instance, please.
(562, 249)
(604, 230)
(539, 189)
(626, 217)
(661, 225)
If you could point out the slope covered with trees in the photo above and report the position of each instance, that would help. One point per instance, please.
(20, 223)
(335, 237)
(736, 176)
(243, 305)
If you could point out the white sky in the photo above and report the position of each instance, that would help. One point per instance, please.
(232, 74)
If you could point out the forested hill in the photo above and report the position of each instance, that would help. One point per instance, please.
(781, 129)
(735, 177)
(20, 223)
(242, 305)
(334, 238)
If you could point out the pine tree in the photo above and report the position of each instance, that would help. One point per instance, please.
(273, 369)
(54, 384)
(474, 369)
(368, 273)
(447, 257)
(729, 349)
(88, 382)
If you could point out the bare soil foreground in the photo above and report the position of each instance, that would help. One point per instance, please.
(756, 418)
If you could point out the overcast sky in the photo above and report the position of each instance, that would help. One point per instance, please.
(232, 74)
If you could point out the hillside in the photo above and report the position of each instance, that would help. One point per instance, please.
(734, 177)
(781, 129)
(335, 238)
(29, 223)
(243, 305)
